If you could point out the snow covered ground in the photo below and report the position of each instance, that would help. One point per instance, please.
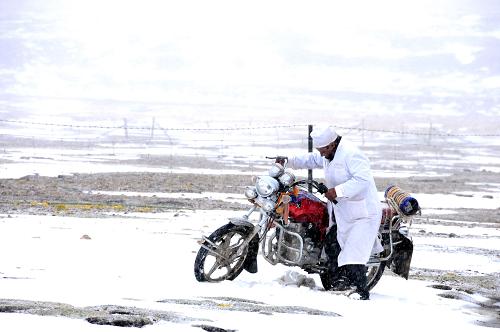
(146, 261)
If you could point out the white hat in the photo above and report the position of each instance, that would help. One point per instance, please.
(322, 136)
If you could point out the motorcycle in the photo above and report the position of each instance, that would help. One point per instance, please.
(291, 229)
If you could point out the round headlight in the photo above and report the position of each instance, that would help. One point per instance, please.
(266, 185)
(250, 192)
(265, 203)
(276, 170)
(268, 205)
(287, 179)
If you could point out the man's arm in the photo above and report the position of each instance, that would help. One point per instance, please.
(359, 168)
(309, 161)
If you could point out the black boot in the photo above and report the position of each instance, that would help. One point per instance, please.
(357, 275)
(340, 280)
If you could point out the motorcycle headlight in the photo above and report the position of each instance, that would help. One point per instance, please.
(266, 204)
(266, 185)
(250, 192)
(276, 170)
(287, 179)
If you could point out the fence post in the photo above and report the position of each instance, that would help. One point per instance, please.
(125, 126)
(430, 134)
(153, 129)
(309, 149)
(363, 132)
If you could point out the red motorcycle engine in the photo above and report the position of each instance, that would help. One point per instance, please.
(300, 241)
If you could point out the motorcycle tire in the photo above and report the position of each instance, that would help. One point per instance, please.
(223, 261)
(373, 275)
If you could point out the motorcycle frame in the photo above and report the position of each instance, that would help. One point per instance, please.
(375, 260)
(267, 218)
(264, 221)
(281, 244)
(268, 255)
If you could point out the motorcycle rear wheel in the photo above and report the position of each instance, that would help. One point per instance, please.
(373, 276)
(225, 261)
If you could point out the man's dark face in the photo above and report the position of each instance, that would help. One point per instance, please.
(327, 151)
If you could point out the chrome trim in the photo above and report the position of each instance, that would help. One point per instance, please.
(281, 244)
(267, 252)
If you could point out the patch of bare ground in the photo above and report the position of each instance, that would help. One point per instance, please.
(16, 194)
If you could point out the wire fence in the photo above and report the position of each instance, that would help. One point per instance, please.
(429, 148)
(126, 128)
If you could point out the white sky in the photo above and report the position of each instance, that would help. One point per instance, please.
(158, 50)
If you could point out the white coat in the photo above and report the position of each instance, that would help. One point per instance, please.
(358, 210)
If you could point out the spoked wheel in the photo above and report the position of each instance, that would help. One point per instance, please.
(373, 275)
(221, 256)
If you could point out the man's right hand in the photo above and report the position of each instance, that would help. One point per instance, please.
(331, 194)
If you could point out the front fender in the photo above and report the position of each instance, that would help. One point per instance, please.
(241, 222)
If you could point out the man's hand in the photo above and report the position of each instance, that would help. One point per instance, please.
(281, 160)
(331, 194)
(322, 189)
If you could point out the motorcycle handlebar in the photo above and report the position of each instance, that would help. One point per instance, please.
(319, 186)
(322, 189)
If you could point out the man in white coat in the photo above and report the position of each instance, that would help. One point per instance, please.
(353, 204)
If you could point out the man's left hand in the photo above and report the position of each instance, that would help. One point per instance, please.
(331, 194)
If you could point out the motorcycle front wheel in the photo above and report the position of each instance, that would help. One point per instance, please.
(373, 276)
(222, 257)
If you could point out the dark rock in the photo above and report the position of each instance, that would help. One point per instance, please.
(439, 286)
(7, 308)
(452, 296)
(466, 290)
(212, 328)
(120, 320)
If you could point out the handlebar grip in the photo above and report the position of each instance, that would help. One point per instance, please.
(281, 160)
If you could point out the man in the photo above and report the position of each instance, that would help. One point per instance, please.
(353, 204)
